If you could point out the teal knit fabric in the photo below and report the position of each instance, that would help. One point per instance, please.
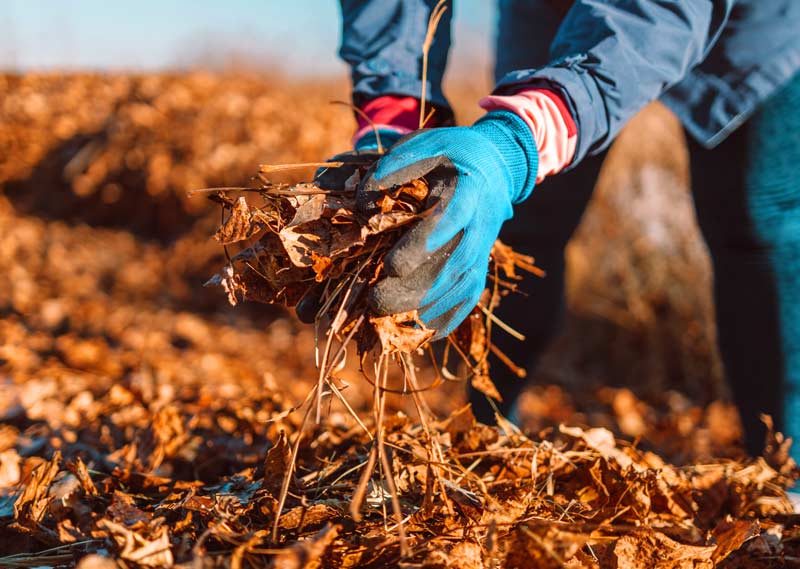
(773, 189)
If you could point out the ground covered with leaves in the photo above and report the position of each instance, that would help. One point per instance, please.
(145, 422)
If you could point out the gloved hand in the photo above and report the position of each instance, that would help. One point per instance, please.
(475, 175)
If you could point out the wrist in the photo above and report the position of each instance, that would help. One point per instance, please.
(388, 113)
(550, 121)
(515, 143)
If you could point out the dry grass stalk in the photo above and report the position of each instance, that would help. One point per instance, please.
(433, 24)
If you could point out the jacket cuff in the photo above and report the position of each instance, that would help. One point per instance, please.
(581, 94)
(370, 88)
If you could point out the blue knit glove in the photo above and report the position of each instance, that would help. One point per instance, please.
(475, 175)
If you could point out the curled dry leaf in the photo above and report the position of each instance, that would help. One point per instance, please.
(152, 551)
(31, 506)
(242, 223)
(402, 332)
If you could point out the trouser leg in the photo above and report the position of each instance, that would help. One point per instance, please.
(773, 197)
(541, 227)
(747, 200)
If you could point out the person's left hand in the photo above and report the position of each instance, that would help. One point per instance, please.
(475, 175)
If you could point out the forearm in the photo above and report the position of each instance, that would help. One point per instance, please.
(611, 58)
(382, 42)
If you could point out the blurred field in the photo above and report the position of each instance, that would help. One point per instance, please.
(103, 256)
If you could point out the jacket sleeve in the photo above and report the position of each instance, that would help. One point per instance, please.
(611, 57)
(382, 41)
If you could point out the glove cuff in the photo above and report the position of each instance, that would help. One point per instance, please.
(514, 141)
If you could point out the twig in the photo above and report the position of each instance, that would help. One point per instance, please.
(433, 23)
(491, 316)
(388, 472)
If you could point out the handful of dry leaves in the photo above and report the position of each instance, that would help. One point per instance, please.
(307, 241)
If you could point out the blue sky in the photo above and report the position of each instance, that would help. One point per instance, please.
(300, 36)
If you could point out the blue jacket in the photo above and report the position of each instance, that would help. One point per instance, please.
(711, 61)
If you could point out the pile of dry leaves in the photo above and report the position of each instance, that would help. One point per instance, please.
(493, 498)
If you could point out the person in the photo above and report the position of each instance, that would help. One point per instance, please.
(569, 76)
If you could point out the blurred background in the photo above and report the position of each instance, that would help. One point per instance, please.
(297, 38)
(110, 113)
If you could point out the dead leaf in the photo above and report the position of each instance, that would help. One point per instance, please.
(307, 554)
(154, 551)
(276, 464)
(302, 517)
(545, 546)
(650, 549)
(31, 506)
(242, 223)
(403, 332)
(730, 535)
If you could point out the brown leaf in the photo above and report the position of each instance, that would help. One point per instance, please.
(650, 549)
(303, 517)
(31, 506)
(460, 422)
(307, 554)
(403, 332)
(124, 511)
(417, 189)
(78, 468)
(603, 441)
(242, 223)
(545, 546)
(153, 551)
(382, 222)
(462, 555)
(230, 283)
(483, 383)
(730, 535)
(277, 463)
